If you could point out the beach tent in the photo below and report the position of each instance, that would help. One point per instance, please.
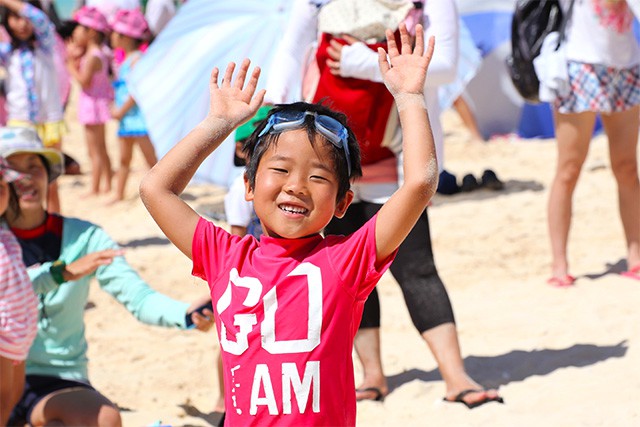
(170, 82)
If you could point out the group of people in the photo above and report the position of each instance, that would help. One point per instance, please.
(99, 55)
(288, 301)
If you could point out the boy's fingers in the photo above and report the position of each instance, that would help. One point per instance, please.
(382, 61)
(242, 73)
(392, 48)
(253, 81)
(431, 44)
(404, 39)
(419, 49)
(228, 74)
(213, 82)
(257, 100)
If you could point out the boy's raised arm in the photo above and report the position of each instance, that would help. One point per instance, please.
(232, 103)
(404, 74)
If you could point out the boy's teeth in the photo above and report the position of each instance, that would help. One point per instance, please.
(293, 209)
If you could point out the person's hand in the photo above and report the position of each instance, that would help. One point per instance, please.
(202, 322)
(88, 264)
(405, 70)
(116, 113)
(335, 52)
(232, 100)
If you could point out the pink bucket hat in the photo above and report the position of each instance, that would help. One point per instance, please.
(131, 23)
(91, 17)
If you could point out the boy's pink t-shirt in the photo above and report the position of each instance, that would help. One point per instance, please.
(287, 311)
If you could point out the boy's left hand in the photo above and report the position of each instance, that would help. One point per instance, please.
(405, 70)
(232, 101)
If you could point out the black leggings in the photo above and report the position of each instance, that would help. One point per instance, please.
(413, 268)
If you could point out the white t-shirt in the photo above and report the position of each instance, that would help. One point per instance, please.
(594, 39)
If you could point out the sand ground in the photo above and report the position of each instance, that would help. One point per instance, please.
(562, 357)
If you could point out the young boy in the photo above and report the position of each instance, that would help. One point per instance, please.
(287, 307)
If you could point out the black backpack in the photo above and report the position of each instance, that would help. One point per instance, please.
(532, 21)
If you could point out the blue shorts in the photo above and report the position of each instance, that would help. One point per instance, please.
(36, 387)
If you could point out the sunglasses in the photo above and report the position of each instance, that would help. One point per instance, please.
(328, 127)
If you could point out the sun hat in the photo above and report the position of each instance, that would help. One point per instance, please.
(91, 17)
(18, 140)
(7, 173)
(363, 19)
(131, 23)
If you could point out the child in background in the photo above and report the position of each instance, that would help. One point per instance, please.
(239, 212)
(91, 71)
(18, 303)
(129, 30)
(287, 306)
(32, 82)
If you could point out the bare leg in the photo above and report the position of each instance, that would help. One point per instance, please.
(573, 134)
(148, 151)
(122, 175)
(622, 131)
(468, 118)
(76, 407)
(100, 162)
(11, 386)
(443, 343)
(367, 345)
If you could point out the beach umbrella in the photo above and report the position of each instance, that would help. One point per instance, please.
(170, 82)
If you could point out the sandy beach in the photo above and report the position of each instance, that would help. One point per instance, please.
(561, 357)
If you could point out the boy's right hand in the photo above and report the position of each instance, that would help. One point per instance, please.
(232, 101)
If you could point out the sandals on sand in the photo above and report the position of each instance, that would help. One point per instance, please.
(376, 393)
(632, 273)
(562, 282)
(460, 398)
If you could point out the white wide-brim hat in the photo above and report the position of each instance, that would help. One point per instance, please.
(18, 140)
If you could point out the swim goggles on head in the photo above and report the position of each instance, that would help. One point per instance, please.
(329, 127)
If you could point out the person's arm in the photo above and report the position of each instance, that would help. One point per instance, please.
(232, 103)
(356, 60)
(404, 75)
(43, 28)
(287, 63)
(119, 112)
(84, 74)
(121, 281)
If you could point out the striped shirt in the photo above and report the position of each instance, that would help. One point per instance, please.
(18, 303)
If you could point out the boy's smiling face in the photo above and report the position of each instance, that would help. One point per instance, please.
(296, 187)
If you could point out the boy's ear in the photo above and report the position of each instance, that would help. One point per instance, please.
(248, 191)
(343, 204)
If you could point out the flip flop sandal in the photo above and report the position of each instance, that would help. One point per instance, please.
(562, 282)
(460, 399)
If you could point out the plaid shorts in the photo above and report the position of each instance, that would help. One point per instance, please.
(600, 88)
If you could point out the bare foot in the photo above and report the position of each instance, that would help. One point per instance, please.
(113, 201)
(474, 396)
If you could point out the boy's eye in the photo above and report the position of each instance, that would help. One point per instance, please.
(318, 178)
(279, 170)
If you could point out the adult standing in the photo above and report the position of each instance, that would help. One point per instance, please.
(62, 255)
(604, 77)
(414, 267)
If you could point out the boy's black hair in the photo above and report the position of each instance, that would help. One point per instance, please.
(254, 154)
(6, 12)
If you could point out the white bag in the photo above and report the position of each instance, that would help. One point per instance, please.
(551, 69)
